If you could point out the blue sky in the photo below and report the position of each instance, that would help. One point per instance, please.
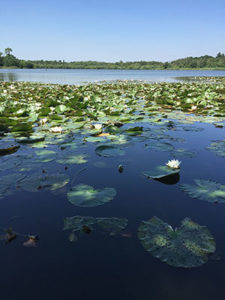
(112, 30)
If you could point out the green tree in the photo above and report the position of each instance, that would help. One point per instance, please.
(8, 51)
(1, 59)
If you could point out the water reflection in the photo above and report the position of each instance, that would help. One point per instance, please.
(8, 76)
(172, 179)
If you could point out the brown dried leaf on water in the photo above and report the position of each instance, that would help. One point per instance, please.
(86, 229)
(10, 235)
(103, 134)
(32, 241)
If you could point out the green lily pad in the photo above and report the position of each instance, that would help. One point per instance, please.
(109, 151)
(76, 223)
(73, 159)
(206, 190)
(8, 182)
(112, 224)
(160, 172)
(187, 246)
(218, 147)
(108, 224)
(44, 182)
(183, 153)
(160, 146)
(31, 139)
(45, 155)
(86, 196)
(6, 150)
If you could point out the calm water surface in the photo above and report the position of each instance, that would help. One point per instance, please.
(99, 266)
(82, 76)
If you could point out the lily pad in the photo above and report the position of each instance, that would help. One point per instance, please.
(108, 224)
(183, 153)
(206, 190)
(8, 150)
(187, 246)
(160, 172)
(218, 147)
(109, 151)
(160, 146)
(86, 196)
(45, 155)
(44, 182)
(76, 223)
(73, 159)
(8, 182)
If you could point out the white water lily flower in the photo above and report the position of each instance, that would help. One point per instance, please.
(56, 129)
(174, 164)
(97, 126)
(43, 121)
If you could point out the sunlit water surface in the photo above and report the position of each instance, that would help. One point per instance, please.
(82, 76)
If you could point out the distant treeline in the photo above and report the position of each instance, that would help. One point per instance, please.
(203, 62)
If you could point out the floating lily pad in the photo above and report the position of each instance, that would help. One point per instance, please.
(86, 196)
(76, 223)
(112, 223)
(109, 151)
(73, 159)
(206, 190)
(8, 150)
(108, 224)
(8, 182)
(31, 139)
(158, 146)
(183, 153)
(11, 163)
(218, 147)
(192, 128)
(44, 182)
(45, 155)
(160, 172)
(187, 246)
(137, 130)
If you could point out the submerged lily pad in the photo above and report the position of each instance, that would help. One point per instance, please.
(187, 246)
(8, 182)
(159, 146)
(183, 153)
(218, 147)
(108, 224)
(45, 155)
(160, 172)
(109, 151)
(44, 182)
(206, 190)
(86, 196)
(73, 159)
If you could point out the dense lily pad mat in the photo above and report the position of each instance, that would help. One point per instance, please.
(86, 196)
(206, 190)
(187, 246)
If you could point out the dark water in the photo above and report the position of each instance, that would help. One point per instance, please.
(100, 266)
(80, 76)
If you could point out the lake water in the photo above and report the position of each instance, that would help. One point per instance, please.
(103, 265)
(83, 76)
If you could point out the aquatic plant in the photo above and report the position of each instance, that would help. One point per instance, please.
(187, 246)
